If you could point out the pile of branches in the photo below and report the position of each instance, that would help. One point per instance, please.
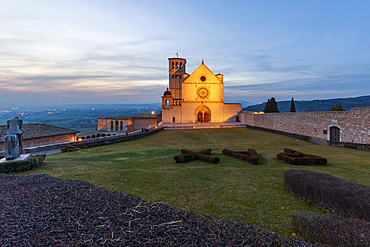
(188, 155)
(295, 157)
(41, 210)
(250, 156)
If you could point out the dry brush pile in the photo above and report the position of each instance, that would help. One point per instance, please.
(41, 210)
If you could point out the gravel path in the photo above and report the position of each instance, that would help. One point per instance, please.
(41, 210)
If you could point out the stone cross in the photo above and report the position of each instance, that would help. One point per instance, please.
(13, 139)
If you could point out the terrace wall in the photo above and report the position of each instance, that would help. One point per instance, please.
(354, 125)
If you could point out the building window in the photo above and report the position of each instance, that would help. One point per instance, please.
(173, 76)
(173, 119)
(167, 102)
(177, 65)
(116, 125)
(180, 65)
(180, 77)
(173, 65)
(111, 126)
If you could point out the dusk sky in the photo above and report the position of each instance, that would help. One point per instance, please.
(116, 52)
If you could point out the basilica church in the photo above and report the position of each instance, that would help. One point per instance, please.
(197, 98)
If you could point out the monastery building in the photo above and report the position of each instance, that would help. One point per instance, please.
(197, 98)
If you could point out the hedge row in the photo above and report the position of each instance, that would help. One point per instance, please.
(332, 230)
(336, 194)
(22, 165)
(249, 156)
(294, 157)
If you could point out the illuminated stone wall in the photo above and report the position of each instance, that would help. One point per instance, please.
(141, 123)
(105, 124)
(129, 123)
(354, 125)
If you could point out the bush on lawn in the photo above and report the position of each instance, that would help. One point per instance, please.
(22, 165)
(336, 194)
(332, 230)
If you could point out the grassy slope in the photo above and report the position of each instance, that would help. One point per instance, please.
(232, 189)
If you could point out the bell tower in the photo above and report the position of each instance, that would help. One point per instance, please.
(176, 73)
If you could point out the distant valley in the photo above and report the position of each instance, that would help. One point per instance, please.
(84, 117)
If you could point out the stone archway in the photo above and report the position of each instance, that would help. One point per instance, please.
(202, 114)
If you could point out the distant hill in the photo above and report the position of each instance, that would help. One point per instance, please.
(316, 105)
(245, 103)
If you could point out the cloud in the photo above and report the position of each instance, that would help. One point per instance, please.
(87, 51)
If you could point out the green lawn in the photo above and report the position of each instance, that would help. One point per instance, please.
(233, 189)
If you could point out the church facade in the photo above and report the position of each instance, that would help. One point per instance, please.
(196, 98)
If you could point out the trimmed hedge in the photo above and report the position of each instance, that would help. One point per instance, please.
(249, 156)
(188, 155)
(22, 165)
(332, 230)
(295, 157)
(336, 194)
(183, 158)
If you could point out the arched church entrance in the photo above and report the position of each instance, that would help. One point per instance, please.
(202, 114)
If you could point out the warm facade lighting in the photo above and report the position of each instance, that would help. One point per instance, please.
(79, 139)
(261, 112)
(153, 112)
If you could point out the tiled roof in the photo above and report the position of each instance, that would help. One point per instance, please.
(132, 117)
(31, 131)
(145, 116)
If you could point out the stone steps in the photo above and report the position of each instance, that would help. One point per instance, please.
(201, 125)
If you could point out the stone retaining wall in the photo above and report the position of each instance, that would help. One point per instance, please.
(354, 125)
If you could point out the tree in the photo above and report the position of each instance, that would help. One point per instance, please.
(271, 106)
(338, 107)
(292, 106)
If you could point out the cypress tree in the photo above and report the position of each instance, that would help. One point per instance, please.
(338, 107)
(271, 106)
(292, 106)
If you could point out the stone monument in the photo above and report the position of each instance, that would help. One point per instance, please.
(13, 141)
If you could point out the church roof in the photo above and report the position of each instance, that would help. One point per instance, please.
(31, 131)
(137, 116)
(202, 70)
